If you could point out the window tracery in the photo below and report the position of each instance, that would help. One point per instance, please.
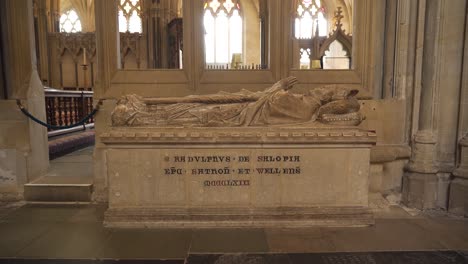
(70, 22)
(222, 21)
(310, 19)
(130, 16)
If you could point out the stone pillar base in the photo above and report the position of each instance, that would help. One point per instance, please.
(420, 190)
(458, 201)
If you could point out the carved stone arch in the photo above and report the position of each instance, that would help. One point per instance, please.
(70, 47)
(295, 3)
(74, 53)
(61, 50)
(123, 54)
(222, 7)
(127, 50)
(342, 38)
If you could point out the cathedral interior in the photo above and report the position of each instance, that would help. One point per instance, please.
(234, 131)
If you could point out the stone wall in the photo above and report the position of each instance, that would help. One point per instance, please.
(23, 143)
(406, 64)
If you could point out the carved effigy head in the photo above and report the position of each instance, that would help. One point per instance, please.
(127, 109)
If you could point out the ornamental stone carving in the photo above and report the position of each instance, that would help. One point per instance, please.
(275, 106)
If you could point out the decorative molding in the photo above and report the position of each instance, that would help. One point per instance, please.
(194, 76)
(183, 217)
(238, 136)
(338, 34)
(130, 43)
(74, 43)
(462, 169)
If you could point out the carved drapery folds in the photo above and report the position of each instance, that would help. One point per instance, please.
(329, 105)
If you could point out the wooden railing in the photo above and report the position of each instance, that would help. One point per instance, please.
(68, 107)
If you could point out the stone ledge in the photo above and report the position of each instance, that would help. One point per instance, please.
(382, 154)
(238, 135)
(278, 217)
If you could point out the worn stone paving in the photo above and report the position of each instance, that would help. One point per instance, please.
(73, 233)
(426, 257)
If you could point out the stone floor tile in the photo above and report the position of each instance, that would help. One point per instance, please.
(71, 169)
(404, 257)
(74, 158)
(333, 258)
(68, 241)
(7, 208)
(393, 212)
(238, 259)
(428, 257)
(15, 236)
(228, 241)
(385, 235)
(421, 257)
(76, 164)
(89, 261)
(43, 213)
(452, 233)
(298, 240)
(90, 213)
(147, 244)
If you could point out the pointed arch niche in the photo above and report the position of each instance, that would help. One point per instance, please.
(278, 23)
(345, 54)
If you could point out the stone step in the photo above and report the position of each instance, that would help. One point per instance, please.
(59, 189)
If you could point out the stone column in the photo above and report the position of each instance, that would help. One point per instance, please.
(458, 199)
(23, 143)
(41, 34)
(425, 185)
(108, 55)
(54, 16)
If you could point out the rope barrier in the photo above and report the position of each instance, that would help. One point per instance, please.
(80, 123)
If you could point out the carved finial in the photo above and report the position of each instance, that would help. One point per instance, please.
(337, 17)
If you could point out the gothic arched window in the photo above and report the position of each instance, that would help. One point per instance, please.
(223, 30)
(70, 22)
(130, 16)
(309, 19)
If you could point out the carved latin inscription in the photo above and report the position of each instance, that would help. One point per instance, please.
(238, 168)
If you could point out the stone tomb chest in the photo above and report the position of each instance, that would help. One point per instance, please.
(236, 169)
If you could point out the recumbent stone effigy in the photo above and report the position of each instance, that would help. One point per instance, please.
(258, 159)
